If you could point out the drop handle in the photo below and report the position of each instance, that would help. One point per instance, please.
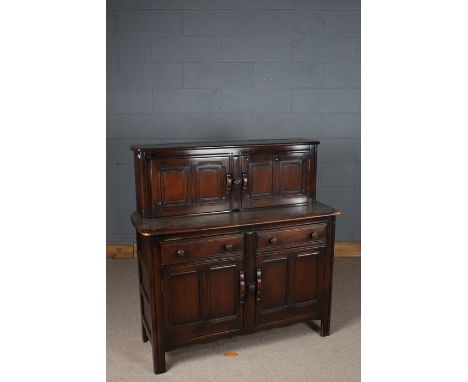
(241, 286)
(259, 284)
(245, 181)
(180, 253)
(228, 247)
(273, 240)
(228, 182)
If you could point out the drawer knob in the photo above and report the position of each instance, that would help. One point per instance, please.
(314, 235)
(273, 240)
(180, 253)
(228, 247)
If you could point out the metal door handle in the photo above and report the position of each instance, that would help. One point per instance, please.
(259, 284)
(228, 182)
(242, 286)
(245, 180)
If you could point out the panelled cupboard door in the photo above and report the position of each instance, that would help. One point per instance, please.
(275, 179)
(203, 299)
(288, 284)
(190, 185)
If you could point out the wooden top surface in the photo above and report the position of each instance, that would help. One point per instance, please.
(198, 223)
(215, 144)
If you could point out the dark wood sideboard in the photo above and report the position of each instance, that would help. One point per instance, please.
(230, 240)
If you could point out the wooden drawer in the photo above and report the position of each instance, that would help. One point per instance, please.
(288, 236)
(183, 250)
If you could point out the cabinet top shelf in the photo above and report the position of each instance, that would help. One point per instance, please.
(222, 144)
(206, 222)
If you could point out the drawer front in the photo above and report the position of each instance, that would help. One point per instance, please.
(184, 250)
(307, 234)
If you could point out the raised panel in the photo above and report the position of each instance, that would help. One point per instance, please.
(305, 277)
(174, 185)
(261, 178)
(274, 283)
(209, 183)
(291, 177)
(185, 298)
(222, 289)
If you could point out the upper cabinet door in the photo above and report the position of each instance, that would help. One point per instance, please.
(276, 179)
(191, 185)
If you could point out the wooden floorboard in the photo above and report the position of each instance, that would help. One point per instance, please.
(128, 250)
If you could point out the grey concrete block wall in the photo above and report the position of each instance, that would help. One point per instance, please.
(181, 70)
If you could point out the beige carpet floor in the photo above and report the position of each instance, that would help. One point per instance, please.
(295, 353)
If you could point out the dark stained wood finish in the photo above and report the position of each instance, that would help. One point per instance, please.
(174, 180)
(273, 276)
(201, 300)
(275, 179)
(273, 239)
(235, 220)
(290, 283)
(169, 148)
(188, 250)
(230, 240)
(188, 185)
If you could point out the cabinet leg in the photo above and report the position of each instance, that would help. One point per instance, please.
(144, 335)
(159, 360)
(325, 327)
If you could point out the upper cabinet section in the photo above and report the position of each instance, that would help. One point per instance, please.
(208, 177)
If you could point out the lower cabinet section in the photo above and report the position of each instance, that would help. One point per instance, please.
(200, 288)
(202, 300)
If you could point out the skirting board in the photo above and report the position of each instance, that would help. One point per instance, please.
(348, 249)
(121, 251)
(128, 250)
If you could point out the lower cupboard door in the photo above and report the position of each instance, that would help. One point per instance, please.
(288, 285)
(203, 300)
